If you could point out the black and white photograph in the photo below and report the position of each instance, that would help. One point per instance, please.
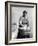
(21, 22)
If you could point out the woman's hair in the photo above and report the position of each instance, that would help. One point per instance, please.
(24, 12)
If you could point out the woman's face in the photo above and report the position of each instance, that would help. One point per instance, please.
(25, 14)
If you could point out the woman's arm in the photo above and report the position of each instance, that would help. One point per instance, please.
(20, 21)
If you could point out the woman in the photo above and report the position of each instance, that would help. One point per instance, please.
(23, 26)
